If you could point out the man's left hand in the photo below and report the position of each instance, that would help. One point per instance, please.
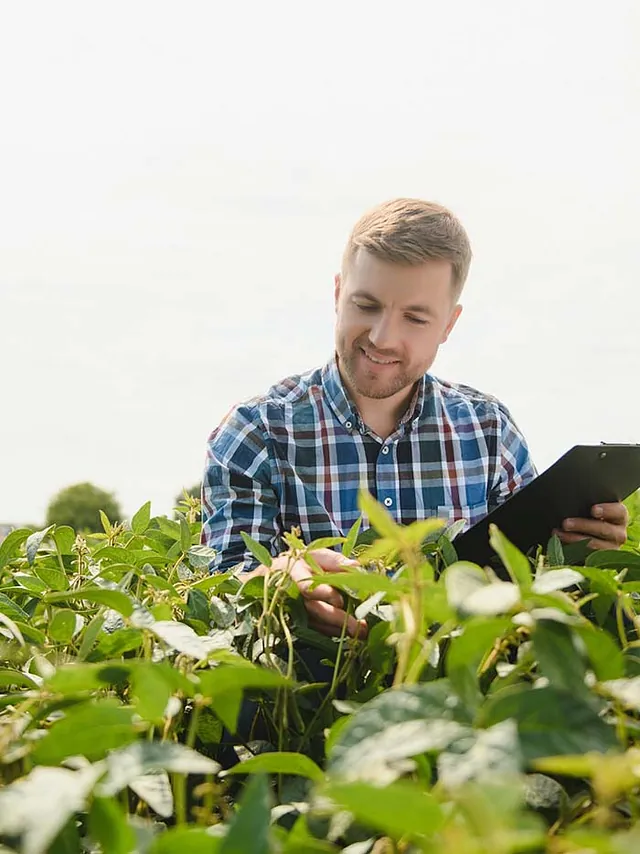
(607, 529)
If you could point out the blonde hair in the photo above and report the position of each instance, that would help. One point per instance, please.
(410, 232)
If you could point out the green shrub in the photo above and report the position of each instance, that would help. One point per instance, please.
(486, 711)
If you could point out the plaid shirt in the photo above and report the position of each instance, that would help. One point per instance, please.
(298, 455)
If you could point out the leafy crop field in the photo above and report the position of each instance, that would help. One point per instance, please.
(148, 706)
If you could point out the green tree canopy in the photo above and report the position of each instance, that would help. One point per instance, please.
(79, 506)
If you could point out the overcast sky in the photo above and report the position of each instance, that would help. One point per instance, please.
(177, 181)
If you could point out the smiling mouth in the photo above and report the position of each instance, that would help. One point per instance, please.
(377, 361)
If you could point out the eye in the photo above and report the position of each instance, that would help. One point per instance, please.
(367, 307)
(418, 321)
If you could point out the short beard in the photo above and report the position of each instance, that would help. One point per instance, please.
(372, 390)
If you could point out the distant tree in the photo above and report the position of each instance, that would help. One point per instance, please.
(79, 506)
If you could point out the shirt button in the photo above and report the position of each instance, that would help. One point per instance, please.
(348, 425)
(388, 502)
(385, 449)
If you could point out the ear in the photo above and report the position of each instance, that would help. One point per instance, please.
(337, 285)
(455, 314)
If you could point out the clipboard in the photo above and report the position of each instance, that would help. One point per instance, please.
(584, 476)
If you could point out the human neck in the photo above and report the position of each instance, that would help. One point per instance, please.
(382, 415)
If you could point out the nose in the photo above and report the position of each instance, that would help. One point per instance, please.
(384, 334)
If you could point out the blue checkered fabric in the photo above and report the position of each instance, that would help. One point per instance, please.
(297, 456)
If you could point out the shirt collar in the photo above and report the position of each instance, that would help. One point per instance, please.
(345, 409)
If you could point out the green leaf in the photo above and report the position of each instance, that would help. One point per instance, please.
(604, 653)
(558, 658)
(34, 541)
(185, 535)
(140, 520)
(197, 607)
(117, 555)
(30, 582)
(129, 763)
(64, 538)
(201, 556)
(183, 639)
(89, 636)
(77, 677)
(556, 579)
(362, 582)
(168, 527)
(225, 684)
(227, 707)
(108, 826)
(38, 806)
(461, 581)
(112, 598)
(11, 609)
(155, 790)
(260, 553)
(379, 517)
(90, 730)
(551, 721)
(278, 763)
(485, 756)
(397, 724)
(62, 625)
(467, 651)
(114, 644)
(352, 538)
(555, 555)
(249, 829)
(10, 546)
(516, 563)
(447, 551)
(15, 678)
(617, 559)
(29, 632)
(106, 523)
(325, 543)
(567, 766)
(53, 578)
(223, 613)
(470, 592)
(67, 841)
(399, 810)
(152, 690)
(185, 840)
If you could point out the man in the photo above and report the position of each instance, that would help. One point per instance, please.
(374, 416)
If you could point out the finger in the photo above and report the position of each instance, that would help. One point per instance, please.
(302, 575)
(330, 620)
(613, 534)
(614, 512)
(593, 543)
(332, 561)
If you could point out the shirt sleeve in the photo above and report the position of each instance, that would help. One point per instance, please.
(237, 491)
(514, 467)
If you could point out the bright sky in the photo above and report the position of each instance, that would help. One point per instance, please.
(177, 181)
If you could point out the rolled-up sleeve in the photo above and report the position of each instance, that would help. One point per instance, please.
(514, 467)
(237, 491)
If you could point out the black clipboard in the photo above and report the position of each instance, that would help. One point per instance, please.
(584, 476)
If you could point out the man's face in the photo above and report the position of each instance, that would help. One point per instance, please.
(390, 321)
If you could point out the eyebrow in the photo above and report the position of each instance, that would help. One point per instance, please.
(416, 309)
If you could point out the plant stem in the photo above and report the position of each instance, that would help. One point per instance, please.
(180, 780)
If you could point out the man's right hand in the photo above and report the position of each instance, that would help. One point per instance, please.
(324, 604)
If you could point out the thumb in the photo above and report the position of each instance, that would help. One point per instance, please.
(332, 561)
